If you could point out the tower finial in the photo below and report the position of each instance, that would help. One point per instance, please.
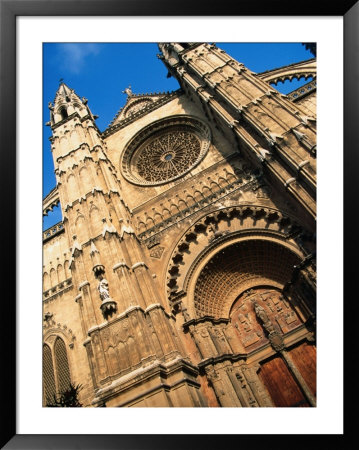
(61, 80)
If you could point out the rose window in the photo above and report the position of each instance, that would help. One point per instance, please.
(165, 151)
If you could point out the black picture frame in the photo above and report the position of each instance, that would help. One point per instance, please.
(9, 10)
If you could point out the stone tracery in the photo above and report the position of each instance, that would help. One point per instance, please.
(165, 150)
(168, 155)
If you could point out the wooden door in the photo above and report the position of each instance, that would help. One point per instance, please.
(304, 356)
(281, 385)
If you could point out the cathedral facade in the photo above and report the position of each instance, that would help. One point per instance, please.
(183, 272)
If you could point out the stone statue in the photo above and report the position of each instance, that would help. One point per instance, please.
(260, 312)
(128, 91)
(103, 288)
(262, 315)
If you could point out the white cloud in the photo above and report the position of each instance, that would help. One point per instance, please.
(73, 55)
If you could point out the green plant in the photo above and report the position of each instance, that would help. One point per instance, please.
(68, 398)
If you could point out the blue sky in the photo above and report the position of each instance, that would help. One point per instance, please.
(101, 71)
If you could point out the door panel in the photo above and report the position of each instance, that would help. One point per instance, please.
(304, 357)
(281, 385)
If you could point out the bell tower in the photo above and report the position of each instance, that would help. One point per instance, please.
(128, 333)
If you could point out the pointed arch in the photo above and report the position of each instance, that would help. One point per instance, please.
(166, 213)
(46, 281)
(85, 178)
(113, 360)
(133, 351)
(53, 277)
(72, 188)
(63, 112)
(198, 195)
(190, 200)
(124, 360)
(222, 182)
(75, 138)
(95, 220)
(60, 273)
(80, 225)
(100, 177)
(182, 204)
(62, 365)
(206, 191)
(174, 209)
(64, 143)
(67, 269)
(48, 385)
(141, 227)
(157, 217)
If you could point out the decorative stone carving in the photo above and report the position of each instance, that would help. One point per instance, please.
(256, 386)
(165, 150)
(157, 252)
(216, 234)
(238, 220)
(48, 316)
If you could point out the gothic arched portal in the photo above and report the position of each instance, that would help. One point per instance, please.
(253, 338)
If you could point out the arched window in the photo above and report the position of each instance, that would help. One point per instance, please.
(56, 371)
(49, 387)
(63, 113)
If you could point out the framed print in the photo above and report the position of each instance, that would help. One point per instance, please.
(179, 281)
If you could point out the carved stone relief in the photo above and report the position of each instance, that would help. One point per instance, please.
(260, 315)
(157, 252)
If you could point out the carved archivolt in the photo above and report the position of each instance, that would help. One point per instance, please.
(238, 267)
(165, 150)
(229, 251)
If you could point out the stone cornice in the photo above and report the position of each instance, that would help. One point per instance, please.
(297, 70)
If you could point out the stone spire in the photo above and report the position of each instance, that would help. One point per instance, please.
(67, 104)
